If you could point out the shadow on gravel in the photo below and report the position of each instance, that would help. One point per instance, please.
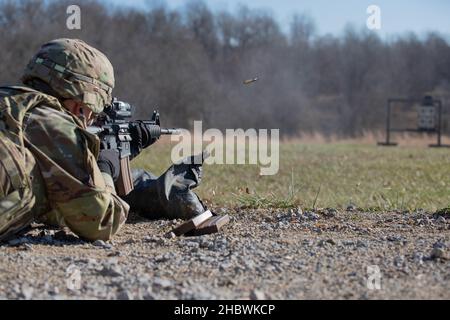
(41, 235)
(134, 218)
(445, 213)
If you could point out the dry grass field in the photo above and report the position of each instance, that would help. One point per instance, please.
(316, 173)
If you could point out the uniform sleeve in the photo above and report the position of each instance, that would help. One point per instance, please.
(76, 189)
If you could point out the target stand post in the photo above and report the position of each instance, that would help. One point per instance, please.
(426, 120)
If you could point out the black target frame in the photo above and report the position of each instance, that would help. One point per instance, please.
(437, 130)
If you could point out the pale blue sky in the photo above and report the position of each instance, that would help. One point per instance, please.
(398, 16)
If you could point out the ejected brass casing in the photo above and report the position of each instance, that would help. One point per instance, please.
(250, 80)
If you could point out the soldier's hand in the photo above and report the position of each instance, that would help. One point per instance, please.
(191, 168)
(141, 137)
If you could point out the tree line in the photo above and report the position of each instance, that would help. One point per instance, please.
(191, 64)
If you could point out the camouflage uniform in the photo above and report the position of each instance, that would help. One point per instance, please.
(16, 196)
(48, 162)
(65, 184)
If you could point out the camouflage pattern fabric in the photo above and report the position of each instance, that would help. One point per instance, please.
(73, 70)
(16, 196)
(75, 193)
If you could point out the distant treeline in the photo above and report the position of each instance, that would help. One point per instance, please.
(192, 63)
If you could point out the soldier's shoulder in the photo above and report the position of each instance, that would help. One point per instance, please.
(51, 117)
(21, 94)
(12, 90)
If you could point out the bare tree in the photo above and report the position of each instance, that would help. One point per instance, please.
(190, 63)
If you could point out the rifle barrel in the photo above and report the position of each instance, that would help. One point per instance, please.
(170, 131)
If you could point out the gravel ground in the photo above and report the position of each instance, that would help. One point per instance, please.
(261, 254)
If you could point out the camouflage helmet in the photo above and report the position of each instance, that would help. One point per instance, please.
(73, 70)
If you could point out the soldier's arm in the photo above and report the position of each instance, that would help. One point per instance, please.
(77, 192)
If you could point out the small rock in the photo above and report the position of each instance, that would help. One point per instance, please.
(321, 243)
(191, 244)
(311, 216)
(161, 283)
(330, 213)
(163, 258)
(440, 245)
(200, 293)
(393, 238)
(195, 291)
(399, 261)
(151, 238)
(99, 243)
(351, 207)
(227, 282)
(115, 254)
(111, 271)
(27, 292)
(257, 295)
(418, 258)
(438, 253)
(149, 295)
(27, 247)
(225, 266)
(441, 220)
(318, 267)
(113, 261)
(222, 242)
(206, 243)
(88, 261)
(54, 291)
(170, 235)
(249, 264)
(124, 295)
(293, 213)
(361, 244)
(102, 244)
(108, 246)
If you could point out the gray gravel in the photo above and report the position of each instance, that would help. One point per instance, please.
(261, 254)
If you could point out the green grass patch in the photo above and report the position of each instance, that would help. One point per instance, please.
(327, 175)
